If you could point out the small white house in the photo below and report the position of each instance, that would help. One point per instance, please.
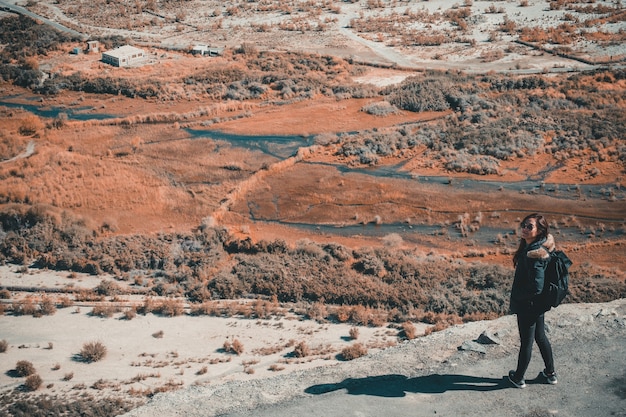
(93, 46)
(124, 56)
(206, 50)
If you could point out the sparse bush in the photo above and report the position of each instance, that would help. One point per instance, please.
(33, 382)
(108, 288)
(47, 306)
(92, 352)
(235, 347)
(317, 312)
(130, 313)
(104, 310)
(30, 125)
(354, 351)
(439, 326)
(158, 335)
(68, 376)
(170, 308)
(24, 368)
(354, 333)
(65, 302)
(409, 331)
(301, 350)
(276, 367)
(4, 346)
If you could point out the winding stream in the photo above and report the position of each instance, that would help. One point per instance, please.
(283, 147)
(84, 113)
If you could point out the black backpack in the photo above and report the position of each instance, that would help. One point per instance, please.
(556, 281)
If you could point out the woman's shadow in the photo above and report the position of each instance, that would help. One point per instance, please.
(398, 385)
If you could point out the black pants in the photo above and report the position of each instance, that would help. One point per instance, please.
(532, 328)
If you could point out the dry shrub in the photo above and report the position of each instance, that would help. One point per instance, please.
(202, 370)
(108, 288)
(235, 347)
(5, 294)
(158, 335)
(33, 382)
(409, 330)
(148, 306)
(207, 308)
(354, 333)
(276, 367)
(439, 326)
(68, 376)
(24, 368)
(4, 346)
(317, 312)
(130, 313)
(87, 295)
(65, 302)
(30, 125)
(92, 352)
(104, 311)
(171, 307)
(352, 352)
(25, 308)
(343, 314)
(301, 350)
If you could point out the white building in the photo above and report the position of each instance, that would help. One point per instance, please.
(93, 46)
(124, 56)
(206, 50)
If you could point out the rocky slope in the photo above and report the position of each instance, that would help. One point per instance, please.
(457, 371)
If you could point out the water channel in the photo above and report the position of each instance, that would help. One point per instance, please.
(282, 147)
(83, 113)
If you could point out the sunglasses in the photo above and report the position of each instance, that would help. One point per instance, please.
(528, 226)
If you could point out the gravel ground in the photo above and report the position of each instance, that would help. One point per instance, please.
(434, 375)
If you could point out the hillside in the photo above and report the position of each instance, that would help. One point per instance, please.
(340, 164)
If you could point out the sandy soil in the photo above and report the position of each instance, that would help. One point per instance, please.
(150, 352)
(436, 373)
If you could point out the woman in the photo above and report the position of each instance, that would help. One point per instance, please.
(530, 262)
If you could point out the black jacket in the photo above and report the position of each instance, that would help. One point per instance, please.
(529, 277)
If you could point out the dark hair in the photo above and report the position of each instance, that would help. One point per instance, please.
(542, 233)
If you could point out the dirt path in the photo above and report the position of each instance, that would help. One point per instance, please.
(30, 149)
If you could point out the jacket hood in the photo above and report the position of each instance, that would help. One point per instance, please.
(543, 251)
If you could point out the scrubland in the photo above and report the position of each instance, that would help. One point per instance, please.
(170, 223)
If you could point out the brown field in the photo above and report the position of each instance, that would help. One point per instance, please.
(419, 134)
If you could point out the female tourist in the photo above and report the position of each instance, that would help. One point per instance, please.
(530, 262)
